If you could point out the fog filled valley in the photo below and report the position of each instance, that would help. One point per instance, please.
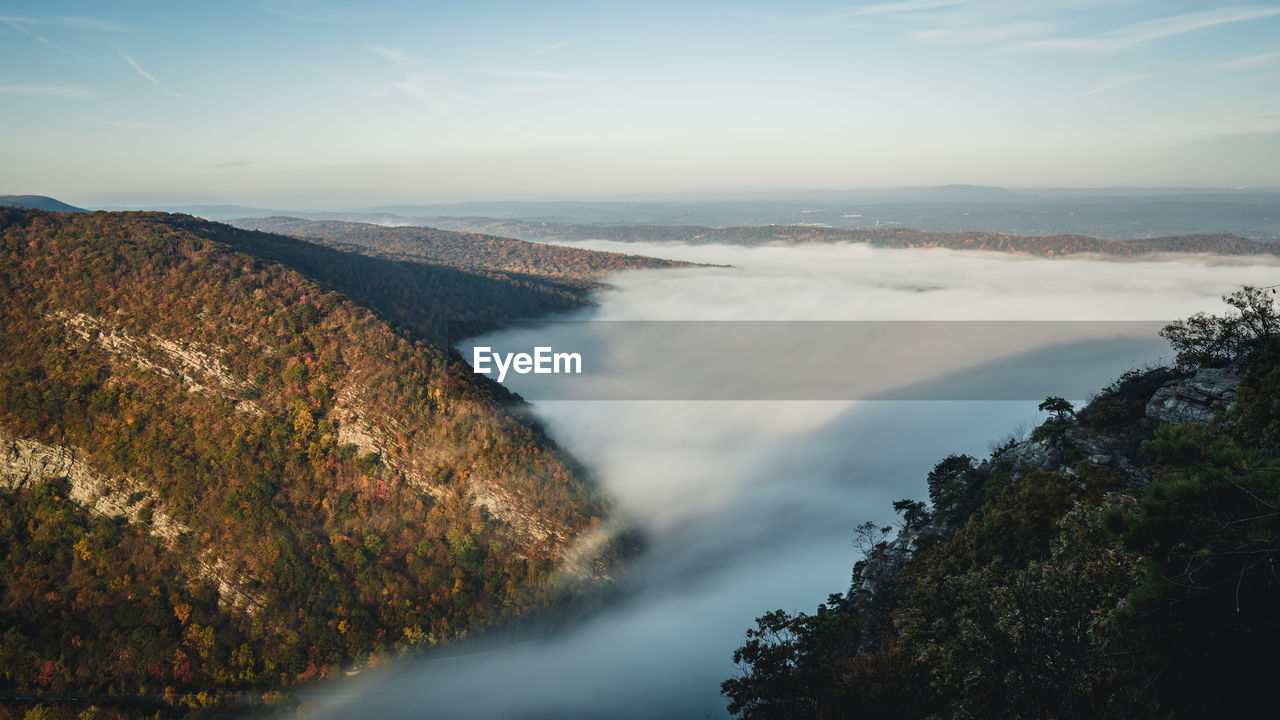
(746, 506)
(257, 473)
(876, 359)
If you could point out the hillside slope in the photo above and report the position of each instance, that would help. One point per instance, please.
(1118, 563)
(462, 249)
(223, 474)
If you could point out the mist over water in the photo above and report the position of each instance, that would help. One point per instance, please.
(750, 506)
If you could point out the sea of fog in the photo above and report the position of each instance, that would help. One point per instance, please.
(750, 506)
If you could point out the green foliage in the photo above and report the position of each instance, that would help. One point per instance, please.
(1017, 524)
(1035, 636)
(1121, 404)
(95, 606)
(914, 513)
(368, 463)
(791, 660)
(1031, 635)
(1056, 593)
(1204, 340)
(1061, 420)
(1255, 418)
(1058, 406)
(954, 489)
(1206, 613)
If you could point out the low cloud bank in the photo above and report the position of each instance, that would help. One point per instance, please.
(750, 506)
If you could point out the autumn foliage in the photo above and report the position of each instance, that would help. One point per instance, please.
(291, 407)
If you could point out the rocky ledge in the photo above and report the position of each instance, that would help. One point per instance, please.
(1194, 399)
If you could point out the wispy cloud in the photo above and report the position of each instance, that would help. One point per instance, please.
(1116, 81)
(1143, 32)
(1258, 144)
(20, 24)
(152, 78)
(425, 88)
(84, 23)
(984, 34)
(539, 74)
(416, 87)
(398, 57)
(56, 46)
(896, 8)
(322, 13)
(88, 23)
(138, 68)
(554, 46)
(55, 91)
(1248, 63)
(856, 15)
(126, 124)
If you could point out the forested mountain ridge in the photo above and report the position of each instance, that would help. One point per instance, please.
(222, 474)
(37, 202)
(423, 293)
(461, 249)
(895, 237)
(1117, 563)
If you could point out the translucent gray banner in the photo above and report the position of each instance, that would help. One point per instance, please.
(813, 360)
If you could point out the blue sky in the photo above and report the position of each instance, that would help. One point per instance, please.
(321, 103)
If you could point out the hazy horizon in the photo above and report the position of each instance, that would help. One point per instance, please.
(815, 195)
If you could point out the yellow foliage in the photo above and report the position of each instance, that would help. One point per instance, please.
(83, 551)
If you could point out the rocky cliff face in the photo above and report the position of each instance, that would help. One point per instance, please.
(1194, 399)
(1106, 434)
(196, 368)
(24, 463)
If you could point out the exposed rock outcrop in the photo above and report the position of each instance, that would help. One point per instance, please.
(1194, 399)
(25, 462)
(197, 369)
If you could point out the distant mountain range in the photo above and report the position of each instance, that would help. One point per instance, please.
(38, 202)
(1112, 213)
(950, 216)
(486, 242)
(1044, 245)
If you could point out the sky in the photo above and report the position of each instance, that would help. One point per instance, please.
(315, 104)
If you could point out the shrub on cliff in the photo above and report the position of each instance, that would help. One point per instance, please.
(1204, 340)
